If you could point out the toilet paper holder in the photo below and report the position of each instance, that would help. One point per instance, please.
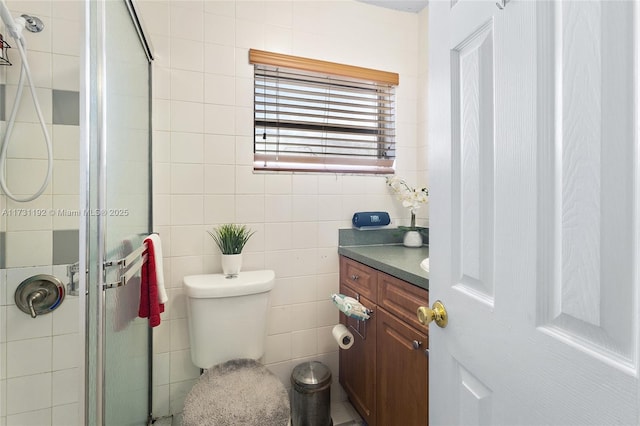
(350, 306)
(353, 310)
(361, 329)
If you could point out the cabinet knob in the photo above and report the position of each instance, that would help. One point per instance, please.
(416, 344)
(426, 353)
(354, 277)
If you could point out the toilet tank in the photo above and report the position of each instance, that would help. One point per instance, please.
(227, 316)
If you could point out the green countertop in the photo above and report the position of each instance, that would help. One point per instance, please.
(394, 259)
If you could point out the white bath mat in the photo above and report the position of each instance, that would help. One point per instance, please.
(237, 392)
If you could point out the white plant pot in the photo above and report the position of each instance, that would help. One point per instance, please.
(231, 264)
(412, 239)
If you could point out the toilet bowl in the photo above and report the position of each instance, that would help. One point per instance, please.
(227, 320)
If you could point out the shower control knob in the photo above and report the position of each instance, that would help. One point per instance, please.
(35, 298)
(39, 294)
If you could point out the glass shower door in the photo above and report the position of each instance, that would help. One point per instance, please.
(119, 204)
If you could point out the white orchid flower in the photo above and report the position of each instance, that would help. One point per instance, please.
(411, 198)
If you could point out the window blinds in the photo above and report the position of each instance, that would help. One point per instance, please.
(315, 121)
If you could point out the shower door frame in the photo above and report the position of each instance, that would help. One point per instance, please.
(94, 107)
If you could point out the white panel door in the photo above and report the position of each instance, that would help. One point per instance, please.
(534, 213)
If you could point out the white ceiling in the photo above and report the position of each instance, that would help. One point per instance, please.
(413, 6)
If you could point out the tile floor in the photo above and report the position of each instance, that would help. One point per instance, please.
(342, 414)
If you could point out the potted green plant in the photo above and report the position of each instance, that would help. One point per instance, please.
(231, 239)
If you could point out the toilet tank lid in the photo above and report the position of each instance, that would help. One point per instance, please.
(217, 285)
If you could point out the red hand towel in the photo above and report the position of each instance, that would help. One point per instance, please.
(149, 305)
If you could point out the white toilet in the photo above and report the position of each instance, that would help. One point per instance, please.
(227, 332)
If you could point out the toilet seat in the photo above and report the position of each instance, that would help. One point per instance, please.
(237, 392)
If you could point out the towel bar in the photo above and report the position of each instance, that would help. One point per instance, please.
(127, 267)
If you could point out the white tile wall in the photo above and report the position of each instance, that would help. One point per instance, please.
(63, 393)
(21, 184)
(30, 418)
(65, 72)
(221, 119)
(64, 415)
(186, 147)
(67, 351)
(186, 54)
(216, 173)
(3, 399)
(31, 143)
(19, 387)
(187, 178)
(187, 209)
(184, 24)
(39, 358)
(66, 33)
(31, 223)
(30, 356)
(219, 149)
(203, 163)
(187, 86)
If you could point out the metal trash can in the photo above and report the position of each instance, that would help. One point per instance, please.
(311, 395)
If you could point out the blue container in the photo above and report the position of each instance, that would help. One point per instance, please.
(370, 219)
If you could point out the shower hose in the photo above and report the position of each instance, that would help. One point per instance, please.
(24, 71)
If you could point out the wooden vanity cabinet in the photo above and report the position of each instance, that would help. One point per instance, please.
(385, 372)
(358, 364)
(402, 373)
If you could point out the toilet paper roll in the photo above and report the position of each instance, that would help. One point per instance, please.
(343, 337)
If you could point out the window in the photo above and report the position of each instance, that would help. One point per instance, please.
(320, 116)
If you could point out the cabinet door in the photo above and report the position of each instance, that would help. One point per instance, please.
(358, 363)
(402, 373)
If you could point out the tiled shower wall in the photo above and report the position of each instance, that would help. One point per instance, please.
(202, 122)
(39, 358)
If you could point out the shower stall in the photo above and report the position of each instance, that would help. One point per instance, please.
(85, 356)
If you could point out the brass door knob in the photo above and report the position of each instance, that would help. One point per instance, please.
(436, 313)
